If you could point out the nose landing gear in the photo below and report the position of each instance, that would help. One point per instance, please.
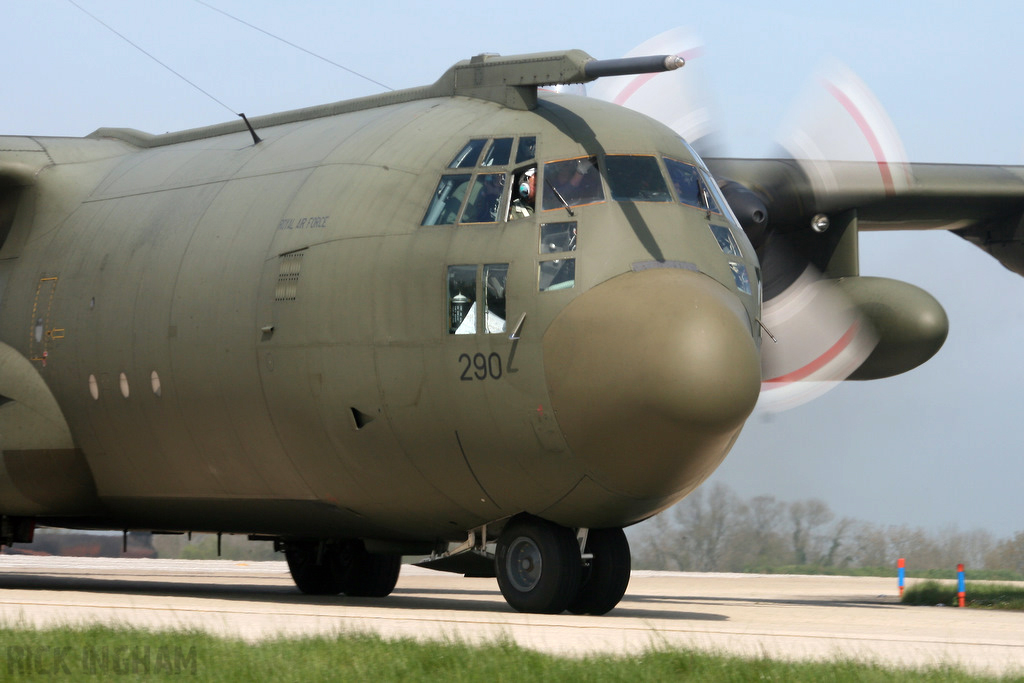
(332, 568)
(605, 575)
(538, 565)
(541, 570)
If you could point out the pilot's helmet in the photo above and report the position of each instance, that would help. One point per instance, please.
(526, 188)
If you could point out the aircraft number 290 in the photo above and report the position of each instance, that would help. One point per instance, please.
(480, 366)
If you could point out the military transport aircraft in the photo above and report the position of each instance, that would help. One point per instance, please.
(467, 313)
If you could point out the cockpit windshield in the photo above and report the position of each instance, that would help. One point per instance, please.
(571, 182)
(483, 185)
(635, 179)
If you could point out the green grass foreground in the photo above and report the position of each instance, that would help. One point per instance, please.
(102, 653)
(983, 595)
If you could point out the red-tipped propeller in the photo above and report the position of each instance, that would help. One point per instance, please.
(839, 150)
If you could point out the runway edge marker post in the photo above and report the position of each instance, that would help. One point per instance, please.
(961, 587)
(901, 567)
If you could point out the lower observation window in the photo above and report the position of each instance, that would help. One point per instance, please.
(741, 276)
(556, 237)
(726, 240)
(558, 274)
(495, 277)
(461, 299)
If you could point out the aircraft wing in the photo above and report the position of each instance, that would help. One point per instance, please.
(982, 204)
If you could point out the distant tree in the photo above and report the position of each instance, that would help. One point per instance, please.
(657, 544)
(834, 556)
(967, 547)
(707, 522)
(870, 546)
(758, 540)
(806, 517)
(695, 535)
(915, 545)
(714, 530)
(1007, 554)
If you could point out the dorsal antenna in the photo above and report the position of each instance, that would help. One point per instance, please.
(256, 139)
(125, 38)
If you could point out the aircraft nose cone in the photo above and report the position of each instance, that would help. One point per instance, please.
(651, 377)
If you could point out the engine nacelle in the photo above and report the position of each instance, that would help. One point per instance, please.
(911, 325)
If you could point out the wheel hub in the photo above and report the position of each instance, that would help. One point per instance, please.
(524, 564)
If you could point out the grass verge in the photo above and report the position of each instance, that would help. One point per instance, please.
(982, 595)
(811, 570)
(101, 653)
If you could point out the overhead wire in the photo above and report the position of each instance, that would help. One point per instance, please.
(230, 16)
(151, 56)
(291, 44)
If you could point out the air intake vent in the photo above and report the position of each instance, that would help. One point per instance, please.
(361, 418)
(289, 267)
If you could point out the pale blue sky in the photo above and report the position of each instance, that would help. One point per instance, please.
(937, 446)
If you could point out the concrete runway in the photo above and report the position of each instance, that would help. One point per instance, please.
(792, 617)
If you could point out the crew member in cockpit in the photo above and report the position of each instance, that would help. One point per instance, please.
(525, 193)
(484, 208)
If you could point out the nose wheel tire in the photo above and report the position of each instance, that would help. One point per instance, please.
(538, 565)
(371, 576)
(342, 568)
(605, 575)
(315, 572)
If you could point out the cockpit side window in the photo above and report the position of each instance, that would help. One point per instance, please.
(485, 186)
(719, 198)
(686, 182)
(444, 206)
(499, 153)
(693, 187)
(571, 182)
(484, 204)
(527, 148)
(467, 156)
(524, 193)
(635, 179)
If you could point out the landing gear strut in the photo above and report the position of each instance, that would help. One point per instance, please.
(332, 568)
(540, 568)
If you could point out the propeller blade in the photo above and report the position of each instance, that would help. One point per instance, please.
(842, 149)
(845, 143)
(680, 99)
(818, 338)
(847, 151)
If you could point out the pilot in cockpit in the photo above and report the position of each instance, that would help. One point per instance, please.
(525, 191)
